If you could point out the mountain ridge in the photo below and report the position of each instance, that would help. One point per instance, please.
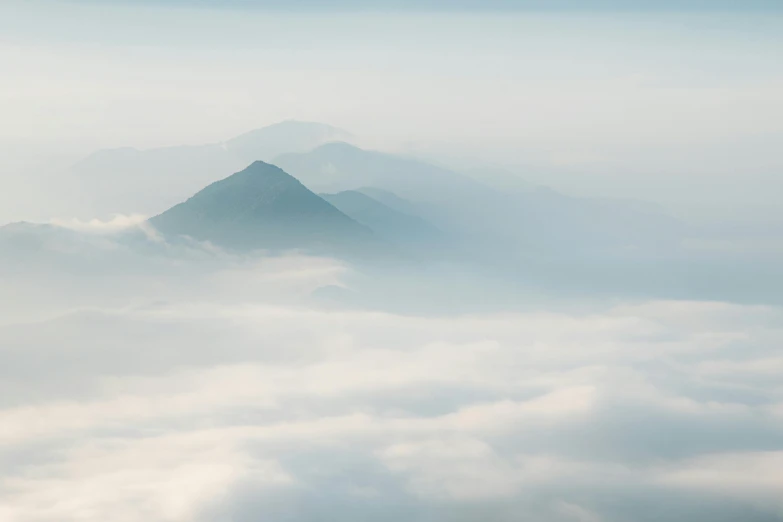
(392, 224)
(261, 207)
(129, 180)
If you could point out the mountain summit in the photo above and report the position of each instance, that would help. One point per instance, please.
(262, 207)
(284, 137)
(128, 180)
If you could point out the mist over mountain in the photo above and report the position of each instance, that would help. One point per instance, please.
(419, 341)
(536, 219)
(540, 279)
(128, 180)
(402, 210)
(334, 167)
(261, 207)
(387, 222)
(391, 200)
(285, 137)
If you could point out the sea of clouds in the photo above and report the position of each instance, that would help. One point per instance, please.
(228, 393)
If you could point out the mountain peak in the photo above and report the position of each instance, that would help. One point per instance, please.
(286, 136)
(338, 149)
(256, 182)
(260, 207)
(263, 172)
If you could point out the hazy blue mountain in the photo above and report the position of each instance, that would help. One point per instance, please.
(386, 222)
(49, 249)
(30, 237)
(285, 137)
(519, 222)
(500, 179)
(132, 181)
(454, 203)
(391, 200)
(335, 167)
(262, 207)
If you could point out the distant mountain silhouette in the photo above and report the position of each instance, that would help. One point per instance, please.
(281, 138)
(387, 222)
(51, 248)
(391, 200)
(505, 224)
(128, 180)
(24, 236)
(334, 167)
(262, 207)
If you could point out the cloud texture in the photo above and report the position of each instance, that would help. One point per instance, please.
(217, 405)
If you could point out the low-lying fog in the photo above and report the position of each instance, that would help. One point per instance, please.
(189, 384)
(528, 266)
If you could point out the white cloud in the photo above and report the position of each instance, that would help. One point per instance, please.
(169, 478)
(117, 223)
(754, 476)
(224, 392)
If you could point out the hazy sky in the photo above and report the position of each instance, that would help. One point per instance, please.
(170, 381)
(630, 92)
(474, 5)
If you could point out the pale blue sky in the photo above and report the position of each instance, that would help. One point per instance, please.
(632, 96)
(476, 5)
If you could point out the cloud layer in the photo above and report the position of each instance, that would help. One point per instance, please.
(223, 405)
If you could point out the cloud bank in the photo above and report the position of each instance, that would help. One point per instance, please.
(213, 404)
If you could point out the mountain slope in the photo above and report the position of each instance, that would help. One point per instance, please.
(334, 167)
(281, 138)
(499, 222)
(391, 200)
(385, 221)
(262, 207)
